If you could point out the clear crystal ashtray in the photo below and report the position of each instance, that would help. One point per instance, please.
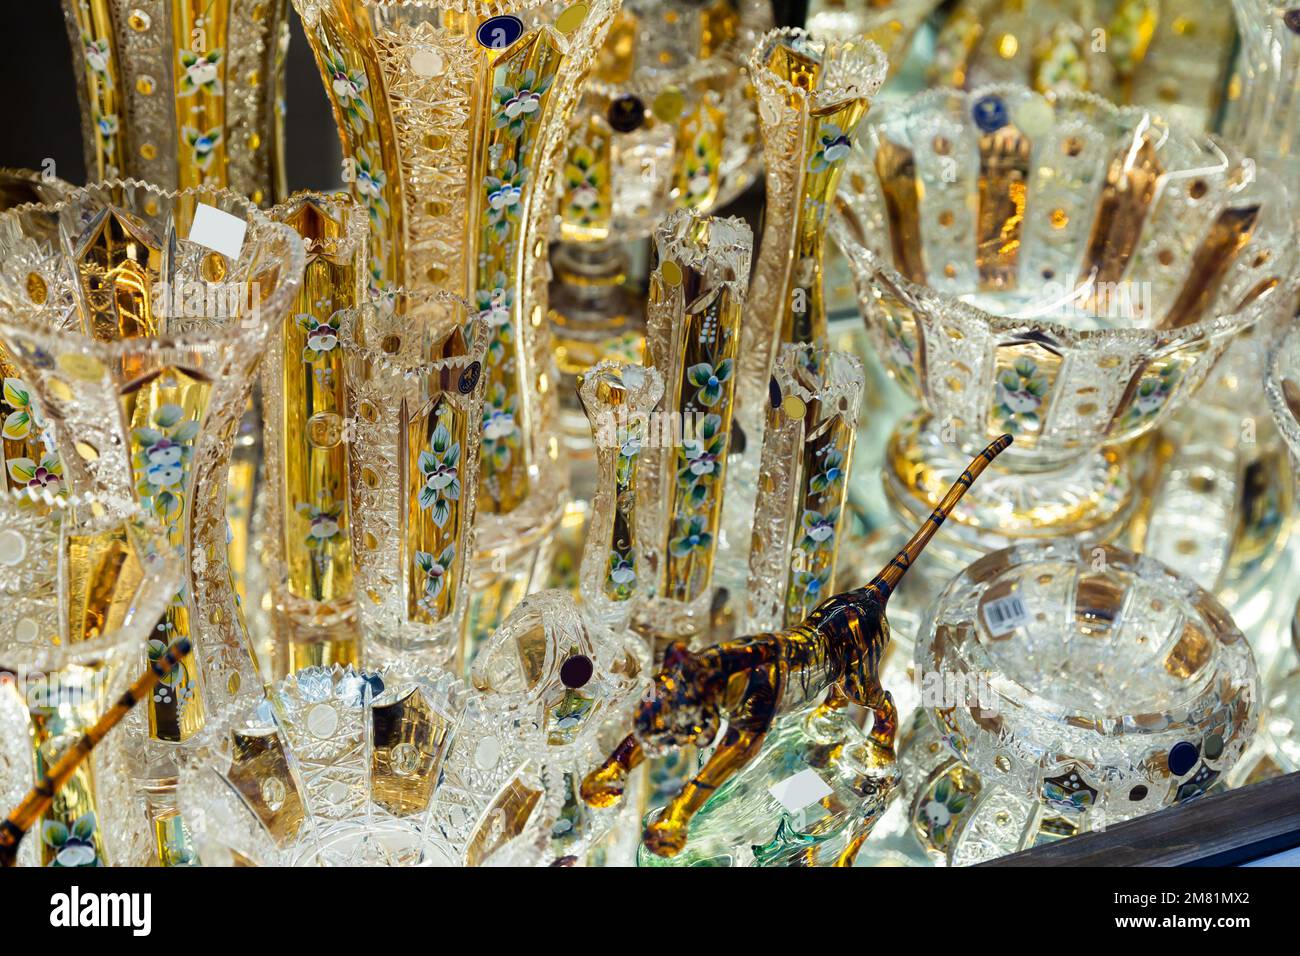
(1082, 684)
(1061, 269)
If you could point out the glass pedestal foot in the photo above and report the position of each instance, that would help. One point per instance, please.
(1087, 499)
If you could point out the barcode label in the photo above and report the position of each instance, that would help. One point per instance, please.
(1005, 614)
(802, 790)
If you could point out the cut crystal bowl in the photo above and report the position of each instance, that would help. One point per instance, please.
(1064, 270)
(1082, 685)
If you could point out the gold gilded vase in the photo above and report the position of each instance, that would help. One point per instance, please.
(697, 299)
(802, 501)
(28, 456)
(182, 93)
(414, 390)
(453, 118)
(307, 547)
(812, 94)
(138, 326)
(666, 122)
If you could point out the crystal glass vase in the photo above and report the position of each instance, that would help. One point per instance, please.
(26, 438)
(414, 389)
(1063, 270)
(558, 676)
(1261, 119)
(453, 117)
(1083, 685)
(697, 297)
(812, 94)
(619, 401)
(183, 93)
(890, 24)
(307, 545)
(802, 500)
(666, 121)
(137, 317)
(84, 583)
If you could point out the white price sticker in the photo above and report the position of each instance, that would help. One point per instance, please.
(218, 231)
(1005, 614)
(802, 790)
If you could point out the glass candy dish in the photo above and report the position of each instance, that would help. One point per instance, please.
(83, 582)
(1067, 271)
(1083, 686)
(402, 764)
(136, 317)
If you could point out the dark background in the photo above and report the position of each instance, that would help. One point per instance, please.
(43, 121)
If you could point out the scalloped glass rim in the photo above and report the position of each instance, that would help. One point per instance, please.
(1219, 625)
(841, 370)
(643, 395)
(277, 304)
(1268, 303)
(476, 350)
(728, 236)
(870, 73)
(356, 229)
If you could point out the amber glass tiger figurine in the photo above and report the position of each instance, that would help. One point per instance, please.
(752, 680)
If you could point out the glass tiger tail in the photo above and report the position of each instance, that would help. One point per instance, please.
(888, 579)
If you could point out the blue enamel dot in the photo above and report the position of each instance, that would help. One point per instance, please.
(500, 32)
(989, 113)
(1182, 757)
